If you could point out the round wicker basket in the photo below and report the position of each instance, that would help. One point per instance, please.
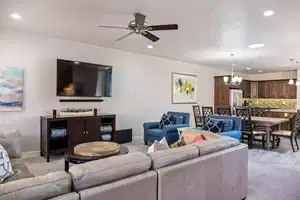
(97, 149)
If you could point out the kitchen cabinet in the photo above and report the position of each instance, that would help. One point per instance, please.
(293, 91)
(246, 89)
(283, 90)
(272, 89)
(254, 89)
(263, 89)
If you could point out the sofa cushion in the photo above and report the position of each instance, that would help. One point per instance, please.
(20, 171)
(69, 196)
(234, 134)
(41, 187)
(178, 119)
(107, 170)
(169, 157)
(210, 146)
(11, 141)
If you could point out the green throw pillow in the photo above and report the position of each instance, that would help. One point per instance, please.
(179, 143)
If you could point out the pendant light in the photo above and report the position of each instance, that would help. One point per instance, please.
(232, 80)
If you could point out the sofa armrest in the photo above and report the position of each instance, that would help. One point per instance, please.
(174, 127)
(150, 125)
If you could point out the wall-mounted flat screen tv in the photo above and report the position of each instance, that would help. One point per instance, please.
(80, 79)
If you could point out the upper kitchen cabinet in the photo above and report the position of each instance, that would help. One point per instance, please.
(246, 89)
(284, 90)
(293, 91)
(254, 89)
(272, 89)
(263, 89)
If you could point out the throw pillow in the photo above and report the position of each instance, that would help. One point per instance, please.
(6, 170)
(159, 145)
(197, 138)
(178, 119)
(166, 120)
(179, 143)
(227, 124)
(11, 142)
(213, 126)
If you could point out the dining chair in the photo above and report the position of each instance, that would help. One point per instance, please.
(206, 112)
(224, 110)
(197, 116)
(292, 135)
(247, 128)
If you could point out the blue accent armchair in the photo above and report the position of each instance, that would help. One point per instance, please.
(153, 132)
(236, 131)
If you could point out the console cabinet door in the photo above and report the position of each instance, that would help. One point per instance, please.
(92, 127)
(76, 131)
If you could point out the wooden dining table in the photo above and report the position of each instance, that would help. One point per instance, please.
(268, 122)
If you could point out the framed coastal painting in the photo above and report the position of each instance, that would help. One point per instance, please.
(184, 88)
(11, 89)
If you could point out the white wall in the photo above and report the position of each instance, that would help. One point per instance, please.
(141, 84)
(272, 76)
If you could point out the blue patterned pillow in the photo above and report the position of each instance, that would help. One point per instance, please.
(214, 126)
(227, 124)
(166, 120)
(178, 119)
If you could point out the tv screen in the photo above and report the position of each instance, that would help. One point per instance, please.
(83, 79)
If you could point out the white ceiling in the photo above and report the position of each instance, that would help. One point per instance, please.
(209, 30)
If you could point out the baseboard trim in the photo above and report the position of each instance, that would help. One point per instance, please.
(30, 154)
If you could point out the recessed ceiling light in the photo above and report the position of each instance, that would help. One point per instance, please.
(259, 71)
(150, 47)
(248, 68)
(76, 63)
(269, 13)
(16, 16)
(255, 46)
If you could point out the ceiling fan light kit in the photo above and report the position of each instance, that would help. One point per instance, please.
(139, 26)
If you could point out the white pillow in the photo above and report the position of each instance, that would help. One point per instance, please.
(11, 142)
(6, 170)
(159, 145)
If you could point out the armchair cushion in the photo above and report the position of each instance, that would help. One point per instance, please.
(156, 132)
(178, 119)
(166, 120)
(174, 127)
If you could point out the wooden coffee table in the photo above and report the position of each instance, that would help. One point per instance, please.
(71, 157)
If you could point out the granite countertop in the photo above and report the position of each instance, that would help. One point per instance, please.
(284, 110)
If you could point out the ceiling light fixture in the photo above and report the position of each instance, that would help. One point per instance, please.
(150, 47)
(16, 16)
(76, 62)
(255, 46)
(269, 13)
(260, 71)
(248, 68)
(232, 80)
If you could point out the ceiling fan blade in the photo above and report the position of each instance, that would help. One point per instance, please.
(163, 27)
(150, 36)
(125, 36)
(119, 27)
(140, 19)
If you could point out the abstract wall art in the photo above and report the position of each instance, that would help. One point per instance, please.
(184, 88)
(11, 89)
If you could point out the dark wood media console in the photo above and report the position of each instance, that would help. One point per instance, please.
(79, 129)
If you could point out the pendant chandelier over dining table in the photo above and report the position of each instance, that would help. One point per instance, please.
(232, 80)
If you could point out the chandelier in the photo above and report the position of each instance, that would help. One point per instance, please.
(232, 80)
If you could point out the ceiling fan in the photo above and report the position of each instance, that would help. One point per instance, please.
(140, 26)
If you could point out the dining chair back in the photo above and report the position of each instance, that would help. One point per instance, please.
(224, 110)
(206, 112)
(197, 116)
